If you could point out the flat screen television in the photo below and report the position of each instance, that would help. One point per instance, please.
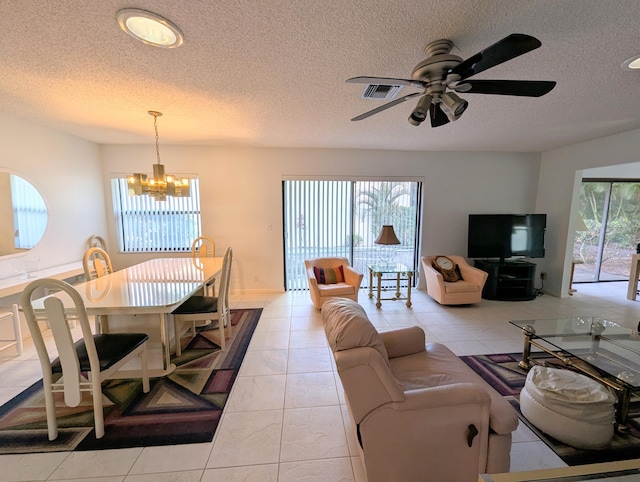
(506, 235)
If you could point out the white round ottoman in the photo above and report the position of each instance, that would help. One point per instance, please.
(572, 408)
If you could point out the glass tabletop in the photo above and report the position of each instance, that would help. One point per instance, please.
(390, 268)
(603, 344)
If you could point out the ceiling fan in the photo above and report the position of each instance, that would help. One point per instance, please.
(442, 74)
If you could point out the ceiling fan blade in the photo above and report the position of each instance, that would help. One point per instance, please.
(384, 80)
(508, 48)
(438, 118)
(525, 88)
(399, 100)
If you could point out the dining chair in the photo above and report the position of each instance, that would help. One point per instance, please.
(96, 262)
(97, 356)
(205, 247)
(198, 311)
(96, 241)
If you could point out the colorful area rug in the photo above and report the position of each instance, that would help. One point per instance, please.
(503, 373)
(183, 407)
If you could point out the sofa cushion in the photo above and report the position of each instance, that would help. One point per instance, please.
(329, 276)
(460, 287)
(336, 289)
(346, 326)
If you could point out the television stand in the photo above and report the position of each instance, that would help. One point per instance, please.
(508, 280)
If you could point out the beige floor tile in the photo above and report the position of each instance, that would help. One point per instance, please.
(311, 390)
(99, 462)
(265, 392)
(334, 470)
(309, 360)
(252, 473)
(247, 438)
(313, 433)
(171, 458)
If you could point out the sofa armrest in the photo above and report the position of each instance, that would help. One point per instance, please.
(430, 432)
(351, 276)
(432, 276)
(406, 341)
(464, 393)
(473, 275)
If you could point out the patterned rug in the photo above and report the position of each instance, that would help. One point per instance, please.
(503, 373)
(183, 407)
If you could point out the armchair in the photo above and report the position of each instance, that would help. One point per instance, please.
(466, 291)
(321, 292)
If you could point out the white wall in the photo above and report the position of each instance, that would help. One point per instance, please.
(561, 172)
(66, 171)
(242, 195)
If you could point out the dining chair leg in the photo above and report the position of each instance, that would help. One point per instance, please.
(50, 407)
(98, 417)
(145, 368)
(16, 328)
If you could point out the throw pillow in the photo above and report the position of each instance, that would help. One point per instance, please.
(329, 276)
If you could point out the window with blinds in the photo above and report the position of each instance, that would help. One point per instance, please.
(325, 218)
(147, 225)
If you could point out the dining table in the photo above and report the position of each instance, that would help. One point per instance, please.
(125, 300)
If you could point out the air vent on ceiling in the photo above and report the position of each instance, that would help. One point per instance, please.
(380, 91)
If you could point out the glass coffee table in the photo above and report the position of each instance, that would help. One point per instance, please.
(397, 271)
(601, 349)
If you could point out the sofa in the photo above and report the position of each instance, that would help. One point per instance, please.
(466, 291)
(420, 412)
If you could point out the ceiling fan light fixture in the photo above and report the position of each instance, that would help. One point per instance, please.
(149, 28)
(631, 64)
(421, 111)
(452, 105)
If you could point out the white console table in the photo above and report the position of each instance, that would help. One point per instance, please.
(15, 285)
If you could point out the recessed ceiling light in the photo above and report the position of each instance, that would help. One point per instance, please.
(631, 64)
(149, 28)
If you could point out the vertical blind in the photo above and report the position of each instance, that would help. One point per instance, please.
(147, 225)
(318, 221)
(325, 218)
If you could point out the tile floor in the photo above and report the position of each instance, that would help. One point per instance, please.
(286, 418)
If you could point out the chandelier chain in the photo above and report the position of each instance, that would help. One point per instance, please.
(155, 125)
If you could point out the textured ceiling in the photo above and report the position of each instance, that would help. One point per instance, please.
(272, 73)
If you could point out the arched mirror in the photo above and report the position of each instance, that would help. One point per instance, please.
(23, 213)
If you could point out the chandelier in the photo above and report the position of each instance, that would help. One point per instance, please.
(160, 185)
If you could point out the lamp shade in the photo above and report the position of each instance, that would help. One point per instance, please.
(387, 236)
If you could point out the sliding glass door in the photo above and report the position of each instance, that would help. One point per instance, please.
(324, 218)
(605, 242)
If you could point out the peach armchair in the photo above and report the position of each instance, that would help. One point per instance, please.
(466, 291)
(343, 289)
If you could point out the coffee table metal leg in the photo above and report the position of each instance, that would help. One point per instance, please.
(622, 410)
(529, 332)
(378, 303)
(370, 283)
(409, 290)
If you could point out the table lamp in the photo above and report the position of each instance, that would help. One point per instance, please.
(386, 238)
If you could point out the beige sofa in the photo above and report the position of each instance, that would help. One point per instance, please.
(416, 407)
(463, 292)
